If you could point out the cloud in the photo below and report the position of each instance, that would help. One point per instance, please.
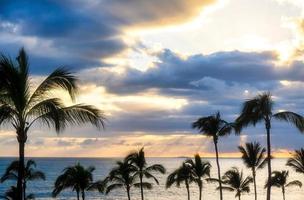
(59, 33)
(157, 12)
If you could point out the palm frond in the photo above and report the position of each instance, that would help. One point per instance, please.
(227, 188)
(254, 110)
(100, 186)
(145, 185)
(294, 183)
(60, 78)
(291, 117)
(36, 175)
(157, 168)
(46, 106)
(7, 114)
(113, 187)
(81, 114)
(149, 175)
(297, 161)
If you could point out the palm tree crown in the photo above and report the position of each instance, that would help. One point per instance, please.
(215, 127)
(142, 169)
(234, 180)
(279, 179)
(77, 178)
(260, 108)
(201, 169)
(253, 157)
(30, 174)
(122, 176)
(184, 174)
(297, 161)
(22, 106)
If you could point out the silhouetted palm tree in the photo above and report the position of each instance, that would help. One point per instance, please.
(234, 180)
(12, 194)
(122, 176)
(183, 174)
(260, 109)
(30, 174)
(253, 157)
(297, 161)
(201, 170)
(142, 169)
(279, 179)
(21, 107)
(77, 178)
(215, 127)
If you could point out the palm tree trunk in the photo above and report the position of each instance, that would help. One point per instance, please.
(188, 190)
(24, 189)
(21, 170)
(200, 191)
(218, 168)
(128, 193)
(77, 192)
(239, 197)
(83, 194)
(141, 187)
(254, 184)
(268, 126)
(283, 191)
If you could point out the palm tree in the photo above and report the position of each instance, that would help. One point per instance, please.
(253, 157)
(260, 108)
(21, 108)
(234, 180)
(297, 161)
(279, 179)
(142, 169)
(122, 176)
(12, 194)
(183, 174)
(30, 174)
(201, 170)
(215, 127)
(76, 177)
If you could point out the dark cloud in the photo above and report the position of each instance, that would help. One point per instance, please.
(209, 72)
(82, 33)
(80, 39)
(156, 12)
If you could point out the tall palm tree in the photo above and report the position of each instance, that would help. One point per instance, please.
(30, 174)
(22, 106)
(142, 169)
(253, 157)
(201, 170)
(215, 127)
(234, 180)
(76, 177)
(12, 194)
(279, 179)
(297, 161)
(122, 176)
(260, 109)
(183, 174)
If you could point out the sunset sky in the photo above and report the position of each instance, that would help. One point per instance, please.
(155, 66)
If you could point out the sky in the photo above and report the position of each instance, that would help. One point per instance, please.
(154, 67)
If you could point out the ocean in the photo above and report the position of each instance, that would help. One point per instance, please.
(54, 166)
